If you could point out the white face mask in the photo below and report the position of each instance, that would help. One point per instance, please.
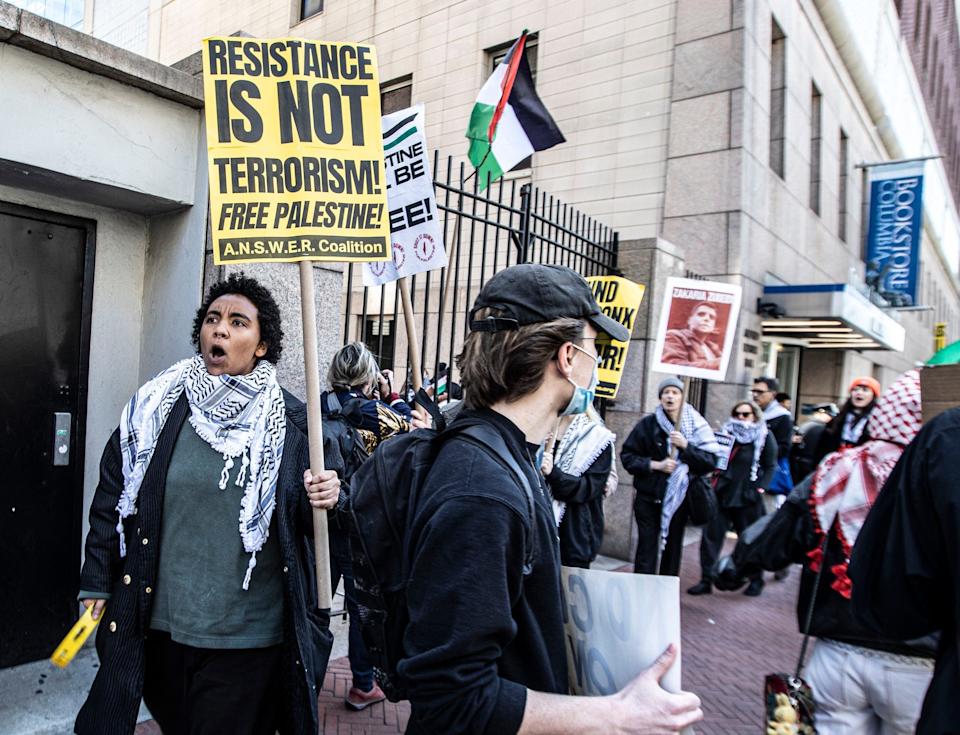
(583, 398)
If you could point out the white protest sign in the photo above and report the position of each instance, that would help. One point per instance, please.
(414, 219)
(616, 625)
(698, 324)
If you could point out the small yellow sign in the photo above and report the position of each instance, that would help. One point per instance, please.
(619, 299)
(295, 151)
(75, 639)
(939, 336)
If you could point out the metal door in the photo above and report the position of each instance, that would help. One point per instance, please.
(45, 285)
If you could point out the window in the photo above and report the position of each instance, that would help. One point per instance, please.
(396, 95)
(816, 102)
(918, 26)
(778, 88)
(842, 187)
(926, 37)
(496, 55)
(380, 339)
(309, 8)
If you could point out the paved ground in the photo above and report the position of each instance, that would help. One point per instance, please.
(729, 643)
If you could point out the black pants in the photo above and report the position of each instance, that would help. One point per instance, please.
(714, 532)
(647, 515)
(200, 691)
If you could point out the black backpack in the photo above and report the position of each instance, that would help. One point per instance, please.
(340, 425)
(384, 494)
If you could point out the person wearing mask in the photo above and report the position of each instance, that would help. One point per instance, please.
(695, 346)
(580, 473)
(749, 470)
(213, 624)
(849, 428)
(863, 680)
(356, 384)
(665, 452)
(484, 647)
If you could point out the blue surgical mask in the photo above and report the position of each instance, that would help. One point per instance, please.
(582, 398)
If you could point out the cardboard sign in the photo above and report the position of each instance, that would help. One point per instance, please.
(415, 231)
(295, 151)
(620, 300)
(939, 389)
(616, 625)
(697, 326)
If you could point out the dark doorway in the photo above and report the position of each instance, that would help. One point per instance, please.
(46, 276)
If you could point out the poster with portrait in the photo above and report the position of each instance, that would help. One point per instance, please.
(698, 323)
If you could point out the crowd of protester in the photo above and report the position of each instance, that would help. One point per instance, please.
(234, 641)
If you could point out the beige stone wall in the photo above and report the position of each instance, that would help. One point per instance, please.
(603, 70)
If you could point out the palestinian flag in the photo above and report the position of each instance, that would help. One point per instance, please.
(509, 122)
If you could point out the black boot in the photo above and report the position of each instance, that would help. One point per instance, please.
(703, 587)
(754, 588)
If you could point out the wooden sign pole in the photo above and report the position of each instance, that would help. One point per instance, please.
(308, 311)
(416, 374)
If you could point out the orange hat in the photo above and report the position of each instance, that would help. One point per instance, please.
(867, 382)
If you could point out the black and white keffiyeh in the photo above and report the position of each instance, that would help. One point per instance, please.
(749, 432)
(584, 440)
(238, 415)
(698, 433)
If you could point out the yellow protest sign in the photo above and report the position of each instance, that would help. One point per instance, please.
(295, 151)
(619, 299)
(939, 336)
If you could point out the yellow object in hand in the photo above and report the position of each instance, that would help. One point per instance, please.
(74, 639)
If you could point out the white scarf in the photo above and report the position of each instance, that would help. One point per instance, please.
(237, 415)
(698, 433)
(584, 440)
(749, 432)
(774, 411)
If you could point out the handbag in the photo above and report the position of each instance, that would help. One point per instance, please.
(782, 480)
(702, 503)
(788, 700)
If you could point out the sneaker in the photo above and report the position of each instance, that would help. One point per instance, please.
(781, 574)
(357, 699)
(754, 588)
(703, 587)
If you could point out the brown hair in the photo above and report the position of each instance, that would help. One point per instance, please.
(754, 408)
(510, 364)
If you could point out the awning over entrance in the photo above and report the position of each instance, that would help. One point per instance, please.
(830, 316)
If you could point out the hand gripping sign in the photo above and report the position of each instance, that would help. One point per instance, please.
(415, 230)
(296, 174)
(619, 299)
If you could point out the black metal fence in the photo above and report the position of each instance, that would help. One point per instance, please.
(484, 232)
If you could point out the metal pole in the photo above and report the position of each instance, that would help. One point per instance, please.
(899, 160)
(308, 312)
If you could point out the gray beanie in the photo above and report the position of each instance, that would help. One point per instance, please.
(671, 382)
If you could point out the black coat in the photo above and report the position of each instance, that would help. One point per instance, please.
(114, 699)
(905, 565)
(734, 487)
(648, 442)
(581, 528)
(786, 537)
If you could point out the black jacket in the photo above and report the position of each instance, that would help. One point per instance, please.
(648, 442)
(782, 429)
(786, 537)
(481, 631)
(906, 562)
(113, 703)
(734, 487)
(581, 528)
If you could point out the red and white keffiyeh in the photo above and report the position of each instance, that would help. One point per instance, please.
(847, 482)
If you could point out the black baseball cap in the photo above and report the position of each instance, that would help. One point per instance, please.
(531, 293)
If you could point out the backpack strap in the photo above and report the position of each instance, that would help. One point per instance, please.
(492, 442)
(333, 403)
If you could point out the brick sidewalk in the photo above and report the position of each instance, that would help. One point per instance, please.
(730, 642)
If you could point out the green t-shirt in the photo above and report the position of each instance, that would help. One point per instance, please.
(199, 595)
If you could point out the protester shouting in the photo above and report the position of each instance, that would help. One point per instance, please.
(749, 470)
(580, 472)
(484, 647)
(215, 627)
(666, 450)
(863, 681)
(849, 427)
